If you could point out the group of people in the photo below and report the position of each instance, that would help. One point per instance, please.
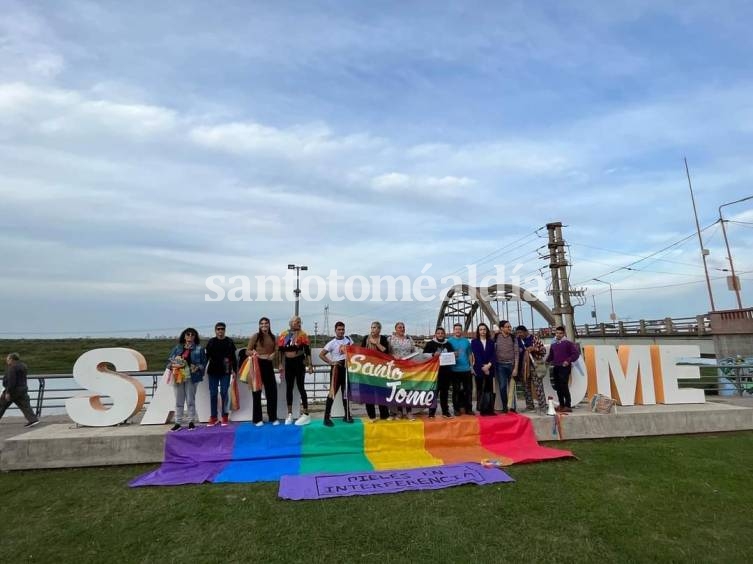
(504, 356)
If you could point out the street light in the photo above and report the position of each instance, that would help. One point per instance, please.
(613, 315)
(735, 281)
(297, 290)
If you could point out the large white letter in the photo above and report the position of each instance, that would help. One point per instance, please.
(625, 369)
(668, 373)
(127, 393)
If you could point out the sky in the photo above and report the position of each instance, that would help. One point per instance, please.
(145, 147)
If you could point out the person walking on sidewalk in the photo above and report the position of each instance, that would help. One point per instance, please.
(16, 390)
(333, 354)
(562, 354)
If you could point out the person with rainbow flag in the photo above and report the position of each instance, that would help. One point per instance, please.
(261, 352)
(186, 362)
(333, 354)
(296, 348)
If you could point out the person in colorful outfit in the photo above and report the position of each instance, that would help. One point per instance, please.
(531, 350)
(562, 354)
(186, 361)
(401, 346)
(333, 354)
(223, 364)
(263, 345)
(375, 341)
(438, 345)
(506, 358)
(483, 366)
(462, 379)
(296, 348)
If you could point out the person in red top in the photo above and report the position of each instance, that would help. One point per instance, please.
(562, 354)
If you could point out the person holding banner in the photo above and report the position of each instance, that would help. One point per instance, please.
(483, 368)
(186, 362)
(295, 345)
(261, 351)
(439, 346)
(401, 347)
(461, 371)
(506, 356)
(333, 354)
(376, 342)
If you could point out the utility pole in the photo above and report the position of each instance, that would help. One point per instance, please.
(593, 313)
(563, 308)
(735, 281)
(704, 252)
(297, 290)
(316, 333)
(326, 319)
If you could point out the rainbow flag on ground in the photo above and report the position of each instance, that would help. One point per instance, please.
(245, 453)
(379, 378)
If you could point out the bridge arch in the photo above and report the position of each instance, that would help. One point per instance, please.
(463, 302)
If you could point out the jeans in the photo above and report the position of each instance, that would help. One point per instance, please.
(185, 394)
(224, 384)
(504, 373)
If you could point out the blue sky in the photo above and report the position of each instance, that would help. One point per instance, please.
(146, 146)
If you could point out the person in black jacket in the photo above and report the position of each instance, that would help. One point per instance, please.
(437, 346)
(376, 342)
(16, 390)
(222, 363)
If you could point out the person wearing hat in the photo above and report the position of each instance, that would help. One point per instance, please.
(222, 365)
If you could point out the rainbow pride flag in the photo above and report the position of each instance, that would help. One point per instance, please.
(245, 453)
(379, 378)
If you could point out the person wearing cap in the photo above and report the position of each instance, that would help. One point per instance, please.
(222, 364)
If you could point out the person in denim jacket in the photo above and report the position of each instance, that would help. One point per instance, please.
(187, 361)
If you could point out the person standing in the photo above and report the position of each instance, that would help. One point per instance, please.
(263, 345)
(187, 361)
(295, 345)
(333, 354)
(438, 345)
(222, 365)
(16, 389)
(506, 357)
(401, 347)
(375, 341)
(461, 371)
(562, 354)
(483, 367)
(531, 350)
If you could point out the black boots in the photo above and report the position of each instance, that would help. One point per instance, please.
(328, 413)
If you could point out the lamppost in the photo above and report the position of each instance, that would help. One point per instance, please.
(297, 290)
(613, 315)
(735, 283)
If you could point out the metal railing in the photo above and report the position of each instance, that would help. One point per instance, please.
(47, 396)
(699, 326)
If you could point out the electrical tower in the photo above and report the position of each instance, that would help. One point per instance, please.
(561, 292)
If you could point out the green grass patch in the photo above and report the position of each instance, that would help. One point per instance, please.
(653, 499)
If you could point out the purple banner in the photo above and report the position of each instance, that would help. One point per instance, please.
(322, 486)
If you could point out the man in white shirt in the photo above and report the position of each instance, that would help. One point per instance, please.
(333, 354)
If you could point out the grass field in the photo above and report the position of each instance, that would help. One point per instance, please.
(654, 499)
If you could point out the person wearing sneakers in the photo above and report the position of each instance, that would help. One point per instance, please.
(15, 389)
(562, 354)
(438, 345)
(333, 354)
(375, 341)
(187, 360)
(401, 346)
(462, 398)
(222, 365)
(295, 346)
(507, 357)
(263, 345)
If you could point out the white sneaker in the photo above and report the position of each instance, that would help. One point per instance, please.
(259, 424)
(374, 420)
(304, 419)
(411, 417)
(289, 419)
(275, 422)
